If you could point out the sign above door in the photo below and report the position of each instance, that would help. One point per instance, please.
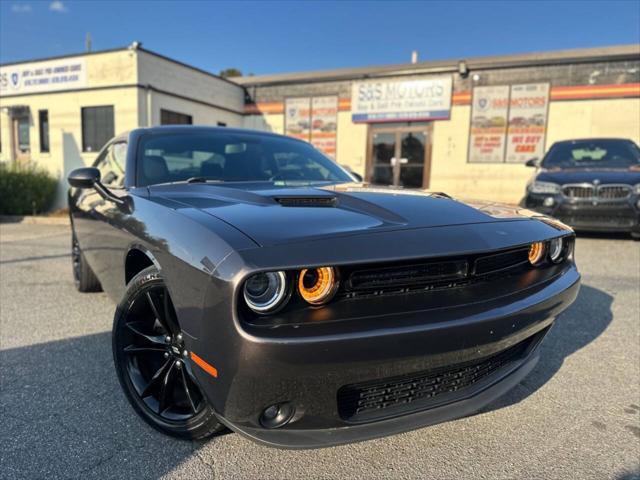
(406, 100)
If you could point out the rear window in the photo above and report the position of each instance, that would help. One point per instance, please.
(593, 154)
(234, 157)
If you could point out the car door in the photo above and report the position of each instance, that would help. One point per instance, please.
(99, 223)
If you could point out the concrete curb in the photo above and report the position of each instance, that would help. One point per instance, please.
(31, 220)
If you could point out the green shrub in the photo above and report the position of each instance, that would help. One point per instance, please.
(25, 190)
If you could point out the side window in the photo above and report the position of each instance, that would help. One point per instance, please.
(111, 165)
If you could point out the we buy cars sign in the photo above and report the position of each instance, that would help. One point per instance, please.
(528, 107)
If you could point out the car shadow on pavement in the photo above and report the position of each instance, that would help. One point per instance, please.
(578, 326)
(64, 416)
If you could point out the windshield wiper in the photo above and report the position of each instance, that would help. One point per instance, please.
(201, 180)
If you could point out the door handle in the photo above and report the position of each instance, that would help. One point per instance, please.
(395, 161)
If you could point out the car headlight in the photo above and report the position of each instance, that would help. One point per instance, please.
(266, 292)
(555, 249)
(636, 189)
(317, 286)
(544, 187)
(536, 253)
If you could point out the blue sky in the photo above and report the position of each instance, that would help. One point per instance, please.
(269, 37)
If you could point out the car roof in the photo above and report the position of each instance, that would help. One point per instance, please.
(160, 129)
(595, 139)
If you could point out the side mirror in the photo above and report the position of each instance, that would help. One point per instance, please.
(357, 176)
(533, 162)
(86, 177)
(89, 177)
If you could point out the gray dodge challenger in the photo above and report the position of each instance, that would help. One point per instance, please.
(260, 287)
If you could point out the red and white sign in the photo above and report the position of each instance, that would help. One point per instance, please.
(488, 131)
(324, 122)
(528, 107)
(297, 117)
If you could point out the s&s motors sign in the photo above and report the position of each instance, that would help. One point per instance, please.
(427, 98)
(62, 74)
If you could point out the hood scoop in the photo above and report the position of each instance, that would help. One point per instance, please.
(307, 201)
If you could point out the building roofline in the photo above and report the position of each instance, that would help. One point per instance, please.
(123, 49)
(582, 55)
(68, 55)
(186, 65)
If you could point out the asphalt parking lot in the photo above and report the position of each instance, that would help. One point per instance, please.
(64, 416)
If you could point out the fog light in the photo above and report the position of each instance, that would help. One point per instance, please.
(548, 202)
(638, 204)
(276, 416)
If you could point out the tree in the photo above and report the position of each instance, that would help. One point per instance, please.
(230, 72)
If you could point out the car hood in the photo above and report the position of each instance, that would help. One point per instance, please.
(589, 176)
(272, 215)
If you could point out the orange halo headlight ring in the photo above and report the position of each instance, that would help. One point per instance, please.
(317, 286)
(537, 252)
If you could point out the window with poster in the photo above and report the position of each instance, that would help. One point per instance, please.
(508, 123)
(314, 120)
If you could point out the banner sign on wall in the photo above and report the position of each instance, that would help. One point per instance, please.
(313, 120)
(324, 122)
(528, 108)
(401, 100)
(297, 118)
(46, 76)
(488, 132)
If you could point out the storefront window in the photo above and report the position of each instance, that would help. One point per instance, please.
(97, 127)
(43, 121)
(167, 117)
(23, 134)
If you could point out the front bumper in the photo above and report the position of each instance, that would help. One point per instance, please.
(307, 368)
(603, 216)
(324, 437)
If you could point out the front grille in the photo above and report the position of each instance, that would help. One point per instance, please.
(446, 273)
(593, 192)
(614, 191)
(392, 277)
(578, 192)
(422, 390)
(501, 261)
(586, 220)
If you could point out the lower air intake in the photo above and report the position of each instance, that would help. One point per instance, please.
(422, 390)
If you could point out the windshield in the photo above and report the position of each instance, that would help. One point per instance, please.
(593, 154)
(232, 157)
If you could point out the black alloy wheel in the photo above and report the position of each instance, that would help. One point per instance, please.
(153, 363)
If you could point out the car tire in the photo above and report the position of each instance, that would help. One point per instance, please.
(83, 277)
(635, 236)
(148, 368)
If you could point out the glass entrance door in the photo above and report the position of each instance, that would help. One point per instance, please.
(399, 156)
(384, 150)
(21, 143)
